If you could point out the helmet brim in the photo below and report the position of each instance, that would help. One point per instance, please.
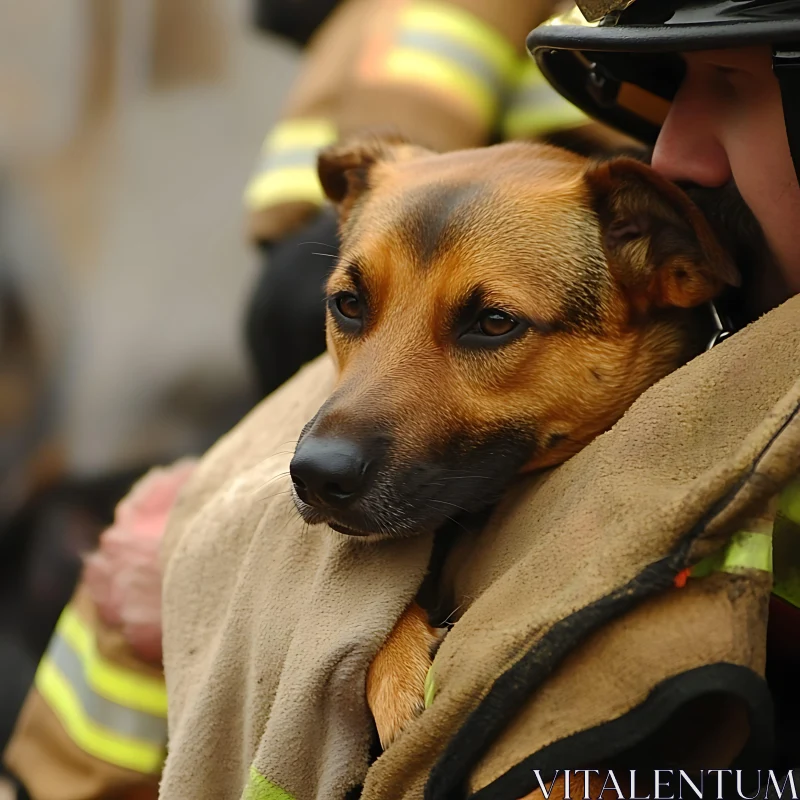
(662, 38)
(568, 48)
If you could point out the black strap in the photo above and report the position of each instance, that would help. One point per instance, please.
(786, 65)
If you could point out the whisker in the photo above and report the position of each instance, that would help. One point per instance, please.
(264, 485)
(466, 477)
(452, 613)
(452, 519)
(277, 494)
(321, 244)
(460, 508)
(456, 522)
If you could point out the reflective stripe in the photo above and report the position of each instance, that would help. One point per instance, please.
(448, 22)
(745, 551)
(449, 50)
(287, 170)
(778, 552)
(303, 133)
(115, 683)
(292, 185)
(259, 788)
(101, 742)
(298, 157)
(535, 108)
(439, 73)
(430, 687)
(455, 53)
(108, 711)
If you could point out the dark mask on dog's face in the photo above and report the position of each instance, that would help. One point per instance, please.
(492, 312)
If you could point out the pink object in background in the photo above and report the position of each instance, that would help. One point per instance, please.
(123, 575)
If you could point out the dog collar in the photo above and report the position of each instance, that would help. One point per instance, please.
(723, 325)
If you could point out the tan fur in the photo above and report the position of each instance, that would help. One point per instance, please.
(543, 225)
(396, 679)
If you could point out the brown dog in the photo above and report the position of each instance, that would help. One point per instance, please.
(492, 312)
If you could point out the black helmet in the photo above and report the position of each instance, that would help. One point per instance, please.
(618, 60)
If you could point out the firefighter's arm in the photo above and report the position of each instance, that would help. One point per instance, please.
(439, 72)
(94, 724)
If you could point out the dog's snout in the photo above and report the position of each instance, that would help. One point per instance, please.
(330, 472)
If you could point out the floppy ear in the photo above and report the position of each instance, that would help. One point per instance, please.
(344, 169)
(659, 245)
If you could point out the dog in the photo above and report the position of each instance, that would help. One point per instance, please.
(492, 311)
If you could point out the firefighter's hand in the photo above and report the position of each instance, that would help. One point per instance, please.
(123, 575)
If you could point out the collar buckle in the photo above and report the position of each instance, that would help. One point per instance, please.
(723, 325)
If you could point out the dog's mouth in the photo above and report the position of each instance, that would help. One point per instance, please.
(345, 530)
(402, 498)
(370, 517)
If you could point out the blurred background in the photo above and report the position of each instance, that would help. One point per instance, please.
(128, 131)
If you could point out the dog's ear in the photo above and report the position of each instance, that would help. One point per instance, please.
(344, 169)
(658, 244)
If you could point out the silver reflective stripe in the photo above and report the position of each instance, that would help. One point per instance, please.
(111, 715)
(300, 157)
(451, 50)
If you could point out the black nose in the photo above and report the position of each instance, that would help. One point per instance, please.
(329, 472)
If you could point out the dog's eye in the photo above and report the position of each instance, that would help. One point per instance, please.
(496, 323)
(348, 305)
(492, 328)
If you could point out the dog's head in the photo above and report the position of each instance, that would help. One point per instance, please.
(492, 311)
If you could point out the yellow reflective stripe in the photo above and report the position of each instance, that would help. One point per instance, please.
(105, 744)
(430, 688)
(289, 185)
(454, 23)
(789, 503)
(287, 172)
(260, 788)
(299, 133)
(746, 550)
(439, 73)
(521, 122)
(115, 683)
(450, 51)
(529, 76)
(535, 108)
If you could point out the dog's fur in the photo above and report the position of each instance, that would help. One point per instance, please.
(604, 266)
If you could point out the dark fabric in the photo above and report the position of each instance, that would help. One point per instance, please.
(285, 324)
(786, 63)
(783, 667)
(634, 737)
(17, 668)
(295, 20)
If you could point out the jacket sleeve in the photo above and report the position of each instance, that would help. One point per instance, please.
(94, 723)
(439, 72)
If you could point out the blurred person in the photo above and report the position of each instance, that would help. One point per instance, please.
(109, 358)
